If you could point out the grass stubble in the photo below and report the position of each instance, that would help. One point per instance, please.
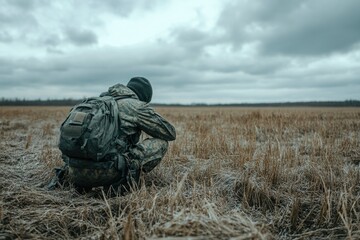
(232, 173)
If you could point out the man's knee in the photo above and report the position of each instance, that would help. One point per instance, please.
(150, 152)
(156, 141)
(163, 145)
(150, 147)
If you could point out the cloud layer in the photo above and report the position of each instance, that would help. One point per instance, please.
(209, 51)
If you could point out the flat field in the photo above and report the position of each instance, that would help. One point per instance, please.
(232, 173)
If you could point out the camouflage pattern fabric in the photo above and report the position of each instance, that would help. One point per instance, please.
(144, 156)
(83, 177)
(85, 173)
(149, 153)
(135, 116)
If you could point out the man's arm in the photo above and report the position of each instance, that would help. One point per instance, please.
(155, 125)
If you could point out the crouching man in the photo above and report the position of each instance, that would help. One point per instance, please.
(121, 156)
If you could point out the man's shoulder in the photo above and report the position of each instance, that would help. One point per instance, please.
(133, 103)
(119, 91)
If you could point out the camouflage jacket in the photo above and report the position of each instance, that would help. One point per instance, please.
(137, 116)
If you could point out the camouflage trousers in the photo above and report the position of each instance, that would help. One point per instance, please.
(149, 153)
(120, 170)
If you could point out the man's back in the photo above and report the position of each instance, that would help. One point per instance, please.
(135, 156)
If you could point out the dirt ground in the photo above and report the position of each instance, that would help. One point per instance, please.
(232, 173)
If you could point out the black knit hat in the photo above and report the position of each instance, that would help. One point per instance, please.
(142, 87)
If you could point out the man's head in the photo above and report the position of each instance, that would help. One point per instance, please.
(142, 87)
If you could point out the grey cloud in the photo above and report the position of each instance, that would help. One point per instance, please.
(17, 13)
(80, 37)
(233, 64)
(190, 36)
(193, 41)
(117, 7)
(23, 21)
(293, 27)
(240, 19)
(51, 40)
(6, 67)
(181, 85)
(322, 27)
(54, 50)
(94, 71)
(121, 7)
(192, 66)
(5, 37)
(184, 78)
(22, 5)
(16, 21)
(68, 36)
(99, 67)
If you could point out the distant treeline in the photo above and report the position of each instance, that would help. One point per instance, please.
(347, 103)
(39, 102)
(71, 102)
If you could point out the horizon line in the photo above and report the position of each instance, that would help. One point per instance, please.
(71, 101)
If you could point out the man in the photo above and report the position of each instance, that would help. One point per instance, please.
(132, 155)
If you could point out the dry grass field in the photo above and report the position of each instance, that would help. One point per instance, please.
(232, 173)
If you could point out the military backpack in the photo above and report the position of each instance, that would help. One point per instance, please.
(91, 129)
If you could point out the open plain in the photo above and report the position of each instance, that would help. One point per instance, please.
(232, 173)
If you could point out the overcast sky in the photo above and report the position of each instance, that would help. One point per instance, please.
(192, 51)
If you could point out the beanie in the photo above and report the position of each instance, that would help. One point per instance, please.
(142, 87)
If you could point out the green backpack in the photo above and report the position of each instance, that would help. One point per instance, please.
(91, 129)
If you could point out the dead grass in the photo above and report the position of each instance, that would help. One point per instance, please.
(237, 173)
